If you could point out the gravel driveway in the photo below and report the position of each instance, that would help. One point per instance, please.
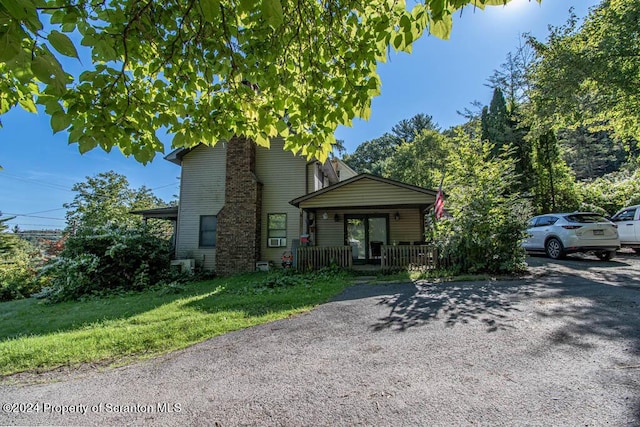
(561, 347)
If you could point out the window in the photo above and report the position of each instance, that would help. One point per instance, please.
(543, 221)
(585, 218)
(208, 231)
(626, 215)
(277, 230)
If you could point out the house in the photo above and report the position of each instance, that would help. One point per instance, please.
(241, 204)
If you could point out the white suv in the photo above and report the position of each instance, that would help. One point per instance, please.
(558, 234)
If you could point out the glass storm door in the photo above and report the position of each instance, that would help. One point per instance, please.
(356, 238)
(366, 234)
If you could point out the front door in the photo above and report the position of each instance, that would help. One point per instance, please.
(366, 234)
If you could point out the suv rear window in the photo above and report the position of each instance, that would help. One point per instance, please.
(585, 218)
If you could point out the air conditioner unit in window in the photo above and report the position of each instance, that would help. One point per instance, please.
(276, 242)
(185, 265)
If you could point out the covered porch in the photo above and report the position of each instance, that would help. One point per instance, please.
(365, 220)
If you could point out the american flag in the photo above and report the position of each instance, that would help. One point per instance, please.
(438, 206)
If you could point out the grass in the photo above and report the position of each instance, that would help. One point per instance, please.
(35, 336)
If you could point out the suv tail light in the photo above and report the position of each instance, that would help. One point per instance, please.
(571, 227)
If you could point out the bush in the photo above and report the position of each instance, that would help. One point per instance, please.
(488, 221)
(610, 193)
(18, 266)
(113, 260)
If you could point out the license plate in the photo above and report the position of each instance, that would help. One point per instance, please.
(598, 232)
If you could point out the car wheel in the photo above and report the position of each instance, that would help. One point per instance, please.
(606, 255)
(554, 248)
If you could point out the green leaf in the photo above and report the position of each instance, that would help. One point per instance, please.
(28, 105)
(17, 9)
(10, 46)
(60, 121)
(442, 28)
(178, 140)
(42, 69)
(86, 143)
(62, 44)
(272, 11)
(397, 41)
(210, 10)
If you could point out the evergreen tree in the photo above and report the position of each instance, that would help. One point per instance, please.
(502, 127)
(495, 122)
(7, 240)
(408, 130)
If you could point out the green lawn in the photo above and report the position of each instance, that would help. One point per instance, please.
(38, 336)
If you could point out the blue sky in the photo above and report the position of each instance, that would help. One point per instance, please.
(439, 78)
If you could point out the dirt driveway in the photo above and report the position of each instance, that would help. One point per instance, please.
(561, 347)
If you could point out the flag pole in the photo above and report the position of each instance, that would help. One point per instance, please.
(438, 205)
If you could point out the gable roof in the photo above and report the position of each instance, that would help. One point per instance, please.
(366, 190)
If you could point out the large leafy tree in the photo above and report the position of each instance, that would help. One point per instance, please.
(422, 161)
(588, 75)
(106, 200)
(204, 70)
(372, 156)
(555, 185)
(591, 154)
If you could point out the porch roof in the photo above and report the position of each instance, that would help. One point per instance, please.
(170, 212)
(366, 190)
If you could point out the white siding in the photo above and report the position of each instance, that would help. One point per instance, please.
(283, 177)
(201, 193)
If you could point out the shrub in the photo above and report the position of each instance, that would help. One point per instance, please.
(488, 220)
(18, 266)
(610, 193)
(112, 260)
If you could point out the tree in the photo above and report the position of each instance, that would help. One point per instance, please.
(513, 76)
(489, 219)
(421, 162)
(204, 70)
(107, 200)
(495, 122)
(7, 240)
(555, 183)
(408, 130)
(591, 154)
(502, 126)
(588, 75)
(371, 156)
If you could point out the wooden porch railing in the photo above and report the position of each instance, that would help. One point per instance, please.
(418, 257)
(315, 257)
